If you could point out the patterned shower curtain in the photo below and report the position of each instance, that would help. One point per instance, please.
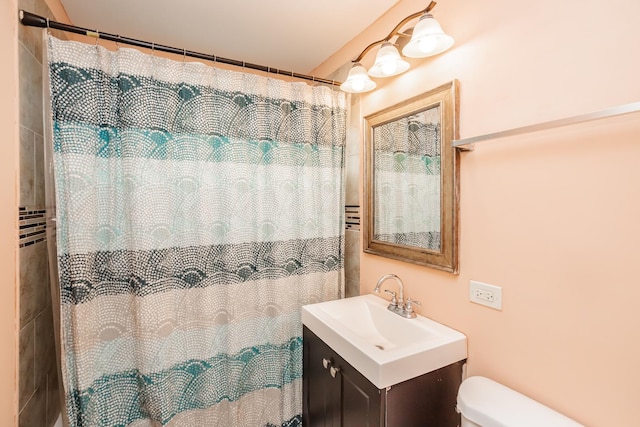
(197, 210)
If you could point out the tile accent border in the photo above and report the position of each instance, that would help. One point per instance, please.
(32, 225)
(352, 217)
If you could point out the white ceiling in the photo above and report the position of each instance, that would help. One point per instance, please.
(293, 35)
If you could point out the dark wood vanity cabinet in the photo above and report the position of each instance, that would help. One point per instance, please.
(351, 400)
(348, 399)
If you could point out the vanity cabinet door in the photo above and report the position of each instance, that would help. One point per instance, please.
(321, 392)
(346, 400)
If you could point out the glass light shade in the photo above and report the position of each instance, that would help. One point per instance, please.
(388, 62)
(427, 39)
(358, 80)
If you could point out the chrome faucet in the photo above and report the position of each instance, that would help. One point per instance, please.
(397, 305)
(400, 301)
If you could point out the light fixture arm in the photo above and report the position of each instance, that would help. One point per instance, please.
(395, 31)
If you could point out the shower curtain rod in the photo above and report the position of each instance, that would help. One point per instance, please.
(32, 20)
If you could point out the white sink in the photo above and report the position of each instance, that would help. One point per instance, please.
(385, 347)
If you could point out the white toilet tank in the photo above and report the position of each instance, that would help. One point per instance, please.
(485, 403)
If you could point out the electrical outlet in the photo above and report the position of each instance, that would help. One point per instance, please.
(485, 294)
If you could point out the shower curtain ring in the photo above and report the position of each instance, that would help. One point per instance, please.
(184, 55)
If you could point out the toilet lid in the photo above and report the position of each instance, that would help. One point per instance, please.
(491, 404)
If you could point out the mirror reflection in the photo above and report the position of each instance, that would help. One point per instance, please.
(407, 180)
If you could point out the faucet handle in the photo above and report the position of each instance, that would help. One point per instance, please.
(408, 307)
(394, 300)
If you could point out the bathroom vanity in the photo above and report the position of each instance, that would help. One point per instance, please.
(364, 366)
(339, 395)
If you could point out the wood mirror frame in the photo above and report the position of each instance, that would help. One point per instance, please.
(446, 256)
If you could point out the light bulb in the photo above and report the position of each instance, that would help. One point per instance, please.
(389, 68)
(357, 80)
(427, 44)
(357, 85)
(388, 62)
(428, 39)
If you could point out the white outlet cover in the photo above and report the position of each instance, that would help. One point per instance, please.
(478, 290)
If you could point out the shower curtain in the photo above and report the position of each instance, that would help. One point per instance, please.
(197, 210)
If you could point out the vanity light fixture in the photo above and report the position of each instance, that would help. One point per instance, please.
(358, 80)
(426, 39)
(388, 62)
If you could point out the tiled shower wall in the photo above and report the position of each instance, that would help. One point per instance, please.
(39, 402)
(352, 191)
(352, 201)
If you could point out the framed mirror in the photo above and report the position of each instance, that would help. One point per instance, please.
(411, 180)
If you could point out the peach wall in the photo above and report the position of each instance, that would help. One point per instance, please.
(552, 217)
(8, 212)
